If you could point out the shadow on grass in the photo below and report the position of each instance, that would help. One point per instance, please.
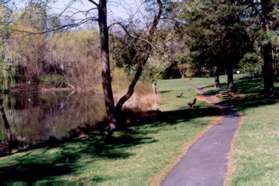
(173, 117)
(166, 91)
(53, 159)
(214, 91)
(254, 95)
(49, 161)
(44, 165)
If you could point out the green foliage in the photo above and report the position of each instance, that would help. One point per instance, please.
(171, 72)
(251, 63)
(124, 50)
(217, 33)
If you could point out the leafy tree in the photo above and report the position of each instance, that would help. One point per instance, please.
(114, 110)
(263, 19)
(251, 63)
(218, 36)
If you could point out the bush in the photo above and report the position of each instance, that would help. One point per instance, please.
(251, 63)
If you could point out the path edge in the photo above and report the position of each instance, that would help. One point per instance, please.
(156, 179)
(230, 167)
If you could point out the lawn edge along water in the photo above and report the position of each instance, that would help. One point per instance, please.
(81, 175)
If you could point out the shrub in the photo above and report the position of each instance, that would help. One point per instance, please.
(251, 63)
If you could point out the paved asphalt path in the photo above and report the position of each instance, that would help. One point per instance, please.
(205, 162)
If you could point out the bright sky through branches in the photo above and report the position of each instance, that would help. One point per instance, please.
(118, 9)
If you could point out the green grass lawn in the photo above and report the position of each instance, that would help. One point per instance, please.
(171, 88)
(255, 154)
(134, 156)
(128, 158)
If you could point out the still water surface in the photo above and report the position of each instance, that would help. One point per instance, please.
(36, 117)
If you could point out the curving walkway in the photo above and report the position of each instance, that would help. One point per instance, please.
(205, 162)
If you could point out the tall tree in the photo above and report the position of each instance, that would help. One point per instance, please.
(263, 20)
(114, 111)
(143, 56)
(267, 8)
(217, 35)
(105, 62)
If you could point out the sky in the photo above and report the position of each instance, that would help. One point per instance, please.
(117, 9)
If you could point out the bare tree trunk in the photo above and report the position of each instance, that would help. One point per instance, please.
(216, 73)
(267, 7)
(155, 90)
(105, 61)
(230, 80)
(275, 69)
(267, 67)
(114, 112)
(143, 59)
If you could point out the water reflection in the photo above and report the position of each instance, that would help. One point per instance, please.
(37, 117)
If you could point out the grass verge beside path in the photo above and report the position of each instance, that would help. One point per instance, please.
(254, 159)
(128, 158)
(255, 153)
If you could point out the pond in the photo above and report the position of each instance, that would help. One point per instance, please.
(35, 117)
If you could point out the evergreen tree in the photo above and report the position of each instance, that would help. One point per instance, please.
(218, 37)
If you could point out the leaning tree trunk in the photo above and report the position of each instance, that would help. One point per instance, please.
(230, 80)
(142, 58)
(105, 61)
(267, 7)
(132, 86)
(216, 73)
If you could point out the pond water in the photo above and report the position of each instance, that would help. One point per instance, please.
(36, 117)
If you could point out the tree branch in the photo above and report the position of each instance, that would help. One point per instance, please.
(131, 35)
(144, 58)
(124, 28)
(67, 26)
(94, 2)
(156, 20)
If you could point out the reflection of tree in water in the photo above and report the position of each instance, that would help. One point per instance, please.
(37, 117)
(8, 132)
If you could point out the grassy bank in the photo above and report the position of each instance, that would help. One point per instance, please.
(128, 158)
